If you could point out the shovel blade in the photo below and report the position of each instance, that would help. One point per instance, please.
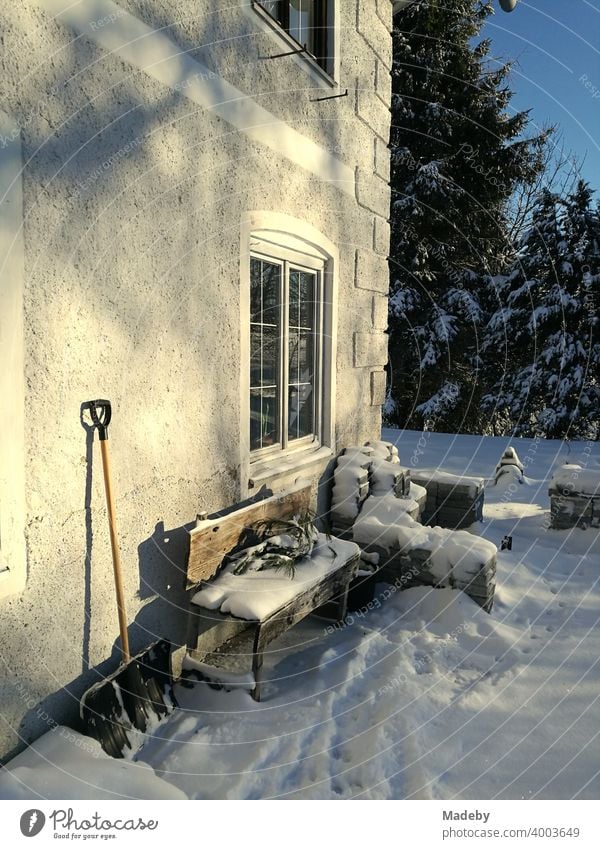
(132, 698)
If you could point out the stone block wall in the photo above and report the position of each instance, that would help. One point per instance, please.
(451, 502)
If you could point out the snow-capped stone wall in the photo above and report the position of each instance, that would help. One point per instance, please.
(452, 501)
(574, 498)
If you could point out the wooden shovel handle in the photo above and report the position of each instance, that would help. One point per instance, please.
(116, 554)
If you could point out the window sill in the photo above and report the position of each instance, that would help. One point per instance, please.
(267, 471)
(309, 63)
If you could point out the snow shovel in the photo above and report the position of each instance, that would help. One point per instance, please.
(142, 686)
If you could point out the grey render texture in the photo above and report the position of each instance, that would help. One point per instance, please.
(129, 173)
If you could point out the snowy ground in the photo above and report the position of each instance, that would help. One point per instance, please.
(425, 696)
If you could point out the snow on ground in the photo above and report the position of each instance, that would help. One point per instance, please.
(424, 695)
(64, 764)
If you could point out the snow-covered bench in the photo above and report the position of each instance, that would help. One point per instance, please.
(378, 505)
(574, 497)
(230, 612)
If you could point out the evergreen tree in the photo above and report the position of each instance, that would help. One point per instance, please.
(512, 337)
(546, 329)
(456, 158)
(570, 353)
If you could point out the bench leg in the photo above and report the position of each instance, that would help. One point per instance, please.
(257, 663)
(192, 629)
(343, 604)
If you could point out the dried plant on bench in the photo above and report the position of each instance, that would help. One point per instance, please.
(276, 544)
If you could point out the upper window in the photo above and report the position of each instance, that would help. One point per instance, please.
(307, 21)
(286, 349)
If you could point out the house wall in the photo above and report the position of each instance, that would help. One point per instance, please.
(136, 182)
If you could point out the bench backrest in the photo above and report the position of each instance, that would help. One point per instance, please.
(214, 538)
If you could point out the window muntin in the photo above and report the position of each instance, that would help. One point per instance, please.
(306, 22)
(285, 353)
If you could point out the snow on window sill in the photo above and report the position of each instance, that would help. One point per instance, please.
(266, 471)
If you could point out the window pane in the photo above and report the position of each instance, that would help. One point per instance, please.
(307, 301)
(271, 282)
(255, 355)
(269, 417)
(301, 384)
(272, 7)
(301, 350)
(265, 353)
(294, 356)
(305, 357)
(305, 417)
(300, 411)
(294, 312)
(255, 290)
(255, 429)
(270, 356)
(264, 418)
(302, 299)
(302, 22)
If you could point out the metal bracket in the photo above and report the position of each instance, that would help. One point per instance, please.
(329, 97)
(297, 52)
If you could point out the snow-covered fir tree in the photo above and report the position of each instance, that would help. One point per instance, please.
(543, 341)
(457, 156)
(511, 343)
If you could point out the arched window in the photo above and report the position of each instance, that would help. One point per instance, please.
(288, 288)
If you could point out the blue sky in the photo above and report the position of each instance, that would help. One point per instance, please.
(557, 45)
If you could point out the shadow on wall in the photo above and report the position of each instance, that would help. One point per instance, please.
(162, 566)
(162, 560)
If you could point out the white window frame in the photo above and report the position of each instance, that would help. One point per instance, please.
(289, 260)
(281, 238)
(283, 41)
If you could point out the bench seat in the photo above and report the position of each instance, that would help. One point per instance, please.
(242, 614)
(258, 596)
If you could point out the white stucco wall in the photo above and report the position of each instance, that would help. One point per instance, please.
(141, 164)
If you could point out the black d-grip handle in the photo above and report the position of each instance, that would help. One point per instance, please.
(100, 412)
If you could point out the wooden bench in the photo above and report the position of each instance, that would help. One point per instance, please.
(211, 630)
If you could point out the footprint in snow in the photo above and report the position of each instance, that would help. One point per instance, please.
(423, 664)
